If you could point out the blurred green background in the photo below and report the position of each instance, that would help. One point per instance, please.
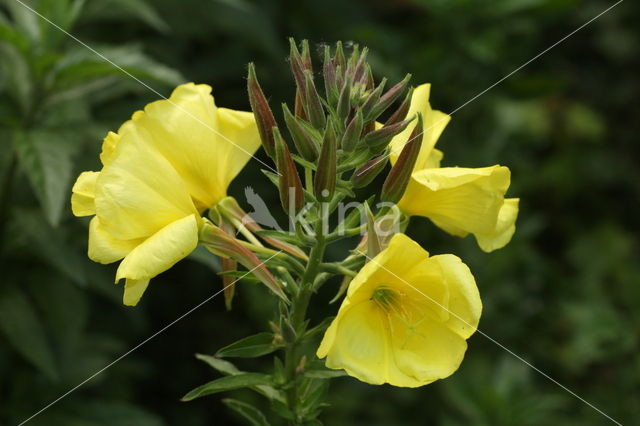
(564, 294)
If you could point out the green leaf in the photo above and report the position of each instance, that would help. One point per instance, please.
(238, 381)
(247, 411)
(126, 9)
(221, 365)
(250, 347)
(45, 157)
(281, 235)
(24, 331)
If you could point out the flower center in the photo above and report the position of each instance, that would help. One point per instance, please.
(384, 297)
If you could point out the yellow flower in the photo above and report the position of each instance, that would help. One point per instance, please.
(405, 319)
(161, 169)
(459, 200)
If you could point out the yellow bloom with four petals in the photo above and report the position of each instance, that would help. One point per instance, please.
(459, 200)
(160, 171)
(405, 319)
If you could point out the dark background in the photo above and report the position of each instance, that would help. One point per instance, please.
(564, 294)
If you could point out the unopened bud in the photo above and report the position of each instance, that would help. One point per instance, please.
(339, 57)
(353, 132)
(344, 101)
(302, 135)
(379, 139)
(312, 102)
(265, 120)
(372, 99)
(289, 184)
(228, 281)
(224, 245)
(374, 245)
(329, 74)
(389, 97)
(324, 184)
(402, 111)
(366, 173)
(400, 174)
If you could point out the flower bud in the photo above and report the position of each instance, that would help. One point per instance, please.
(339, 58)
(402, 111)
(312, 102)
(302, 135)
(324, 184)
(344, 101)
(379, 139)
(366, 173)
(265, 120)
(353, 132)
(372, 99)
(228, 264)
(389, 97)
(400, 174)
(289, 184)
(224, 245)
(329, 74)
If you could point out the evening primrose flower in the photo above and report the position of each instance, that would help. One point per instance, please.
(459, 200)
(160, 171)
(405, 319)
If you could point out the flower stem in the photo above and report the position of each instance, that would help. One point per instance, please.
(297, 319)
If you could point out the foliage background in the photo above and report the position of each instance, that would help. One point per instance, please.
(564, 294)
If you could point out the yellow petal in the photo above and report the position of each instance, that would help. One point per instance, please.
(425, 352)
(83, 194)
(505, 227)
(359, 343)
(464, 304)
(458, 200)
(434, 123)
(104, 247)
(109, 144)
(206, 145)
(138, 192)
(133, 291)
(160, 251)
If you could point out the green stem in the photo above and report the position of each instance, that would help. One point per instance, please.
(298, 315)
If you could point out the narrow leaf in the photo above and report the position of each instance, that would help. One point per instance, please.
(227, 383)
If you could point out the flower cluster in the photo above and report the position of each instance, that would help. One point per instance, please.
(405, 316)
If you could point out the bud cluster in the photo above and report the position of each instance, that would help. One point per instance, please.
(334, 130)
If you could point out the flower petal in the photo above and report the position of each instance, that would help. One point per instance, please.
(458, 200)
(133, 291)
(434, 123)
(83, 194)
(465, 305)
(206, 145)
(505, 227)
(104, 247)
(425, 352)
(357, 341)
(138, 192)
(160, 251)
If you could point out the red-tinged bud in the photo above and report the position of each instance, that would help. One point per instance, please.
(324, 184)
(329, 74)
(296, 64)
(229, 208)
(372, 99)
(353, 132)
(344, 101)
(389, 97)
(339, 57)
(402, 111)
(366, 173)
(379, 139)
(359, 70)
(302, 135)
(222, 244)
(305, 57)
(400, 174)
(265, 120)
(313, 102)
(374, 245)
(289, 184)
